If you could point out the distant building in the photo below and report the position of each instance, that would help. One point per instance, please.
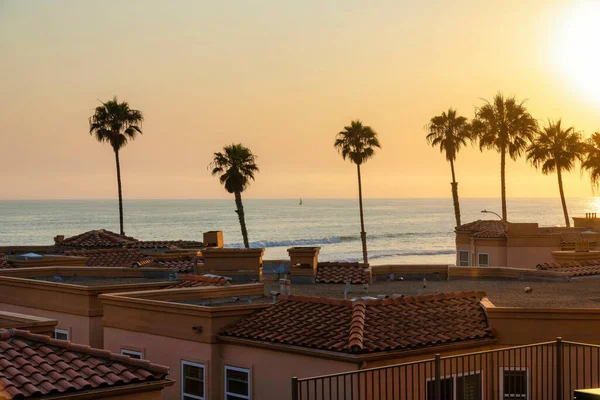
(494, 243)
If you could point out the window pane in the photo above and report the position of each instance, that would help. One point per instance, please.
(468, 387)
(193, 380)
(446, 389)
(237, 382)
(483, 259)
(515, 384)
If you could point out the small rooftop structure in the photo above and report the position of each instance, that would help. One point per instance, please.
(36, 366)
(343, 272)
(100, 238)
(367, 325)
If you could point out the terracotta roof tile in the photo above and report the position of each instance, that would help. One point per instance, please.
(33, 365)
(200, 280)
(368, 325)
(116, 257)
(164, 244)
(185, 264)
(484, 228)
(97, 239)
(572, 237)
(341, 272)
(573, 268)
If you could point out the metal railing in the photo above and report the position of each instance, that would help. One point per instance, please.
(541, 371)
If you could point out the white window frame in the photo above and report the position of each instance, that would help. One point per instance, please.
(468, 258)
(488, 259)
(241, 396)
(455, 381)
(61, 331)
(127, 352)
(501, 382)
(192, 364)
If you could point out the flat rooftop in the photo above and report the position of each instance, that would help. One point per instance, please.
(227, 301)
(102, 280)
(579, 293)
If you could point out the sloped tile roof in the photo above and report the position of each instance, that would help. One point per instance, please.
(573, 237)
(185, 264)
(116, 257)
(368, 326)
(97, 239)
(484, 228)
(33, 365)
(164, 244)
(342, 272)
(573, 268)
(200, 280)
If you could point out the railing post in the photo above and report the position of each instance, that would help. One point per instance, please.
(294, 388)
(438, 378)
(559, 368)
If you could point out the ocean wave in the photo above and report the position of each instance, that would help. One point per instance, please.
(377, 254)
(329, 240)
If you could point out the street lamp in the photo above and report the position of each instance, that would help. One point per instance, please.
(491, 212)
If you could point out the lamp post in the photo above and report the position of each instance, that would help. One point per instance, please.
(491, 212)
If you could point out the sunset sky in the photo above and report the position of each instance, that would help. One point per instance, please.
(283, 77)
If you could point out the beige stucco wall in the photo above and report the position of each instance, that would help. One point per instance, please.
(496, 254)
(82, 330)
(271, 371)
(529, 257)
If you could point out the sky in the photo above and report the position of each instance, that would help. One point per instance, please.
(282, 78)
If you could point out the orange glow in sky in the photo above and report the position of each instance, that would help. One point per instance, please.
(283, 78)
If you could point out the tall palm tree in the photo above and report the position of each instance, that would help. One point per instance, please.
(450, 132)
(506, 126)
(556, 148)
(116, 124)
(235, 166)
(357, 142)
(591, 160)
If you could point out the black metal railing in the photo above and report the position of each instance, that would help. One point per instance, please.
(541, 371)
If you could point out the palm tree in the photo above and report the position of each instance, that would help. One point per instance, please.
(450, 132)
(555, 148)
(357, 142)
(235, 166)
(591, 160)
(116, 124)
(506, 126)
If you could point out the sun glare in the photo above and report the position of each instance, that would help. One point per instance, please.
(578, 49)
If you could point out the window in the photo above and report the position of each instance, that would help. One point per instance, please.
(446, 389)
(237, 383)
(483, 259)
(132, 353)
(463, 258)
(192, 381)
(60, 334)
(457, 387)
(514, 384)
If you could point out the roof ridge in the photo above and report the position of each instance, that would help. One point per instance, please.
(7, 334)
(357, 326)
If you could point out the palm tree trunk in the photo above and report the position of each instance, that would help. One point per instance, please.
(455, 194)
(562, 197)
(242, 218)
(503, 180)
(363, 234)
(120, 192)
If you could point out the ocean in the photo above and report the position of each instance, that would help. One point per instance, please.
(402, 231)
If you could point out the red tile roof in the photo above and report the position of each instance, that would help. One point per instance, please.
(367, 326)
(185, 264)
(200, 280)
(97, 238)
(484, 228)
(573, 237)
(342, 272)
(116, 257)
(164, 244)
(573, 268)
(33, 365)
